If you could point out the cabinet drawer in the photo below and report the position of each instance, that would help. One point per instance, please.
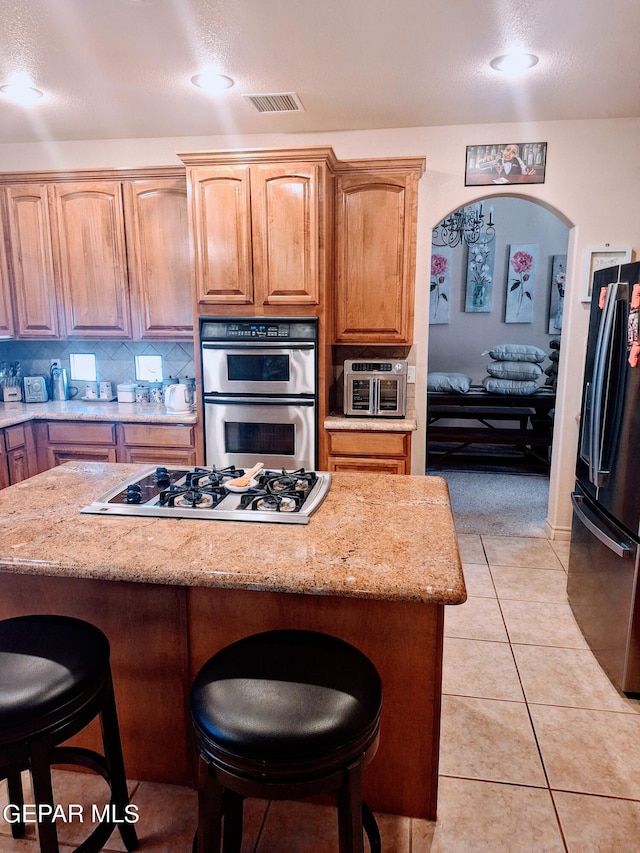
(356, 443)
(66, 432)
(14, 437)
(363, 463)
(170, 435)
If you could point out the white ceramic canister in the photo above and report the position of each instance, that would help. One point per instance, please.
(126, 393)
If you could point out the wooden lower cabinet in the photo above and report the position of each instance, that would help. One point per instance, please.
(17, 454)
(367, 450)
(74, 441)
(161, 443)
(4, 469)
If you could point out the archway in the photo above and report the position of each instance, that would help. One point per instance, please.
(472, 321)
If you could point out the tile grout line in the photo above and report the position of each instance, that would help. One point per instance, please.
(526, 703)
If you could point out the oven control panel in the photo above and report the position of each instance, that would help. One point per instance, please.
(258, 330)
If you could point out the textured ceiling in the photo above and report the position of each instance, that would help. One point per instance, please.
(121, 68)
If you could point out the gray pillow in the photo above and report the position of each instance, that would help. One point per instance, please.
(516, 352)
(509, 386)
(456, 382)
(514, 370)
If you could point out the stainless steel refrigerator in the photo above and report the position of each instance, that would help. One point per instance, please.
(603, 563)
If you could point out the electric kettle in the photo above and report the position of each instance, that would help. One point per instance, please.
(177, 398)
(60, 388)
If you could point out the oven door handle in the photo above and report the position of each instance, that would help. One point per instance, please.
(243, 345)
(213, 399)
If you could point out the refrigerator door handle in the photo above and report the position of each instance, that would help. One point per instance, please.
(620, 549)
(601, 357)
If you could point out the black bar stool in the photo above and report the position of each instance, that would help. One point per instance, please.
(55, 677)
(284, 715)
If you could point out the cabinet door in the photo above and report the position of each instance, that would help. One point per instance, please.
(6, 311)
(158, 456)
(359, 450)
(221, 226)
(285, 226)
(88, 236)
(375, 258)
(31, 261)
(158, 257)
(18, 464)
(368, 464)
(59, 454)
(157, 444)
(4, 470)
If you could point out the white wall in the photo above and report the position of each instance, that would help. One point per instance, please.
(591, 183)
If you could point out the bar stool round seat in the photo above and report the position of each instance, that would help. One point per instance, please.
(55, 677)
(284, 715)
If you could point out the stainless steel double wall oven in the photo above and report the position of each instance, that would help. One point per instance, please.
(259, 381)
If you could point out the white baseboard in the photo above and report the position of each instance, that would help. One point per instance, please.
(559, 533)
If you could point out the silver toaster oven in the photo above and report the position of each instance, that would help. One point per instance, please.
(375, 388)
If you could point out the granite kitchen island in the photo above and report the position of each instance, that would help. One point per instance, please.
(376, 565)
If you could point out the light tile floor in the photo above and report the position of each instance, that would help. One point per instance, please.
(539, 752)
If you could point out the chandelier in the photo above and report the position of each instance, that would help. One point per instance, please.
(465, 225)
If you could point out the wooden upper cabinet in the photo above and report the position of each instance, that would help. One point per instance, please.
(160, 274)
(376, 220)
(259, 226)
(34, 286)
(6, 311)
(221, 226)
(286, 231)
(90, 254)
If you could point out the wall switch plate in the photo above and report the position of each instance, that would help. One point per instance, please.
(411, 374)
(56, 362)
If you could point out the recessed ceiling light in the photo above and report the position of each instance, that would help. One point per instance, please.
(514, 63)
(21, 93)
(212, 82)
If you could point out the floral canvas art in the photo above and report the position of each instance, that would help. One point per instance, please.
(556, 298)
(521, 280)
(439, 296)
(480, 261)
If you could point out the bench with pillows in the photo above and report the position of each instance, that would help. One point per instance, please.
(510, 408)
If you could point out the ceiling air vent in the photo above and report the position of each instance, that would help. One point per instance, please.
(285, 102)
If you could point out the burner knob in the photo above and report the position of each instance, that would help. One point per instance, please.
(162, 476)
(133, 494)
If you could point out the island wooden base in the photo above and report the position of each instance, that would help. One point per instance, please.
(161, 635)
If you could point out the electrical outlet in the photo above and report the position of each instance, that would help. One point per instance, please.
(411, 374)
(56, 362)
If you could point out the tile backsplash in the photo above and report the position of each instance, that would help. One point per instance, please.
(115, 360)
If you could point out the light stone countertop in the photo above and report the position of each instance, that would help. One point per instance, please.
(375, 536)
(339, 421)
(79, 410)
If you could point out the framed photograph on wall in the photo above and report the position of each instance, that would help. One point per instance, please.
(598, 258)
(506, 163)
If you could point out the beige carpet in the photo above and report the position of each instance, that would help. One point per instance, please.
(488, 502)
